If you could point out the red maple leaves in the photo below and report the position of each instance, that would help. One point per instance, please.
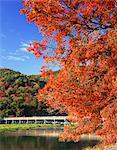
(81, 37)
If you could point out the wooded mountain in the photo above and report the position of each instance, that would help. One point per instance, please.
(18, 94)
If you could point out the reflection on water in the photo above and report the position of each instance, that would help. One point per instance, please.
(40, 140)
(52, 132)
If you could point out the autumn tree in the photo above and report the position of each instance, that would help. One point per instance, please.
(80, 36)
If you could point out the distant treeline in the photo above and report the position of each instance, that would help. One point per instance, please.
(18, 95)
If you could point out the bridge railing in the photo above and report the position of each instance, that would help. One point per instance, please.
(35, 120)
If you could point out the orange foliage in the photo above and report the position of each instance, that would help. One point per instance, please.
(2, 94)
(85, 47)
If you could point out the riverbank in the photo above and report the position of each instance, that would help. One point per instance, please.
(13, 127)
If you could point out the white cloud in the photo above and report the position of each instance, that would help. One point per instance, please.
(24, 46)
(15, 58)
(15, 55)
(23, 49)
(26, 57)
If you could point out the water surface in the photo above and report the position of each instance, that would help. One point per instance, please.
(40, 140)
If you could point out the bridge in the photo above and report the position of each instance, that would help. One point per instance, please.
(35, 120)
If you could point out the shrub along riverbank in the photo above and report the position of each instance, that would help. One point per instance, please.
(13, 127)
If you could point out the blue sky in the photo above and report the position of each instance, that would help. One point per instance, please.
(15, 35)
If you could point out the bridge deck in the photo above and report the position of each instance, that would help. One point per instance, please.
(37, 118)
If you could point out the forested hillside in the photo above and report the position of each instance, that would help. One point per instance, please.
(18, 94)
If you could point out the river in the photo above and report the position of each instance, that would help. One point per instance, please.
(40, 139)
